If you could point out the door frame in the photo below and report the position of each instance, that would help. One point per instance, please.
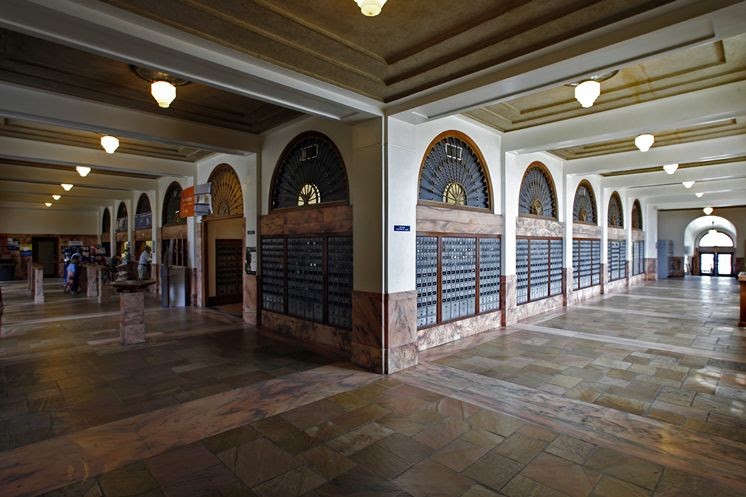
(716, 251)
(35, 252)
(205, 251)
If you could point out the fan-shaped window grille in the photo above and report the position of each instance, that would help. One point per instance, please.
(172, 206)
(143, 204)
(453, 172)
(106, 223)
(636, 215)
(537, 196)
(309, 172)
(225, 188)
(616, 219)
(584, 207)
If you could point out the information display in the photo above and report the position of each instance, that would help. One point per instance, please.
(427, 280)
(459, 278)
(586, 263)
(489, 274)
(538, 268)
(617, 259)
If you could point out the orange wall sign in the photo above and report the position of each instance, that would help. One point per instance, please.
(187, 202)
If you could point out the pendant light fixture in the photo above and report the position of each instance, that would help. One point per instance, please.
(670, 168)
(48, 204)
(56, 197)
(66, 186)
(370, 8)
(687, 184)
(162, 84)
(109, 143)
(708, 210)
(699, 194)
(83, 170)
(644, 142)
(588, 90)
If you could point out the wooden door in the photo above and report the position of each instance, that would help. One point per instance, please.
(228, 272)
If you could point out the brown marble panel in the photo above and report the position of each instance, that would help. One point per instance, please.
(524, 311)
(174, 232)
(334, 339)
(401, 318)
(105, 237)
(402, 357)
(580, 230)
(742, 285)
(532, 226)
(250, 299)
(638, 279)
(38, 285)
(367, 319)
(583, 294)
(651, 269)
(449, 220)
(616, 286)
(638, 235)
(132, 317)
(604, 276)
(567, 274)
(617, 234)
(508, 298)
(677, 267)
(450, 332)
(325, 219)
(143, 235)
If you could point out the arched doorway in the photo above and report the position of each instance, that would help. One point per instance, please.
(106, 232)
(715, 251)
(223, 242)
(122, 233)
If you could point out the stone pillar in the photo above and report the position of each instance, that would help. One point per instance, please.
(567, 295)
(604, 277)
(38, 285)
(132, 317)
(92, 278)
(250, 299)
(651, 269)
(742, 284)
(508, 299)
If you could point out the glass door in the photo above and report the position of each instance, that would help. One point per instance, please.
(707, 264)
(724, 264)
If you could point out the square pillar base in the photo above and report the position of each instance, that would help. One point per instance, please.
(132, 317)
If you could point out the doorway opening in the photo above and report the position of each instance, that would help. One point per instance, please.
(44, 252)
(715, 254)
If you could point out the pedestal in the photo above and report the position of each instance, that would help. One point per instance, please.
(132, 317)
(742, 284)
(92, 274)
(38, 285)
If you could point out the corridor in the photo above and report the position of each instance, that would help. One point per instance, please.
(638, 393)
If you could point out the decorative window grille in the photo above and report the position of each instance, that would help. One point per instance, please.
(454, 173)
(586, 263)
(617, 257)
(615, 217)
(172, 206)
(457, 277)
(584, 206)
(537, 196)
(636, 215)
(538, 268)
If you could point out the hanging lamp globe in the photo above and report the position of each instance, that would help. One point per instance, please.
(56, 197)
(587, 92)
(670, 168)
(699, 194)
(163, 92)
(66, 186)
(109, 143)
(48, 204)
(83, 170)
(644, 142)
(707, 210)
(687, 184)
(370, 8)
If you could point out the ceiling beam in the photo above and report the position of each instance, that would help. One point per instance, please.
(115, 33)
(30, 174)
(72, 112)
(687, 202)
(55, 153)
(677, 189)
(79, 193)
(703, 173)
(39, 198)
(664, 114)
(702, 150)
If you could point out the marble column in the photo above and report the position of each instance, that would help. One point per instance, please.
(38, 285)
(604, 277)
(742, 284)
(92, 273)
(508, 299)
(132, 317)
(250, 299)
(651, 269)
(567, 294)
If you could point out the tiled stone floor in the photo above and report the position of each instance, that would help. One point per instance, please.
(557, 408)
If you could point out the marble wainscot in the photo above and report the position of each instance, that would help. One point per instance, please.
(250, 299)
(742, 285)
(459, 222)
(651, 269)
(508, 283)
(38, 284)
(132, 309)
(591, 232)
(93, 272)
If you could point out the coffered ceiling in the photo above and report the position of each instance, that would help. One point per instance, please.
(411, 46)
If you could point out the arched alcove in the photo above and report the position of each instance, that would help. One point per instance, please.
(453, 172)
(172, 206)
(143, 213)
(310, 172)
(226, 194)
(122, 217)
(584, 206)
(538, 196)
(615, 215)
(106, 222)
(698, 227)
(636, 215)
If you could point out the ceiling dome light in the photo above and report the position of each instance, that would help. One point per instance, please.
(83, 170)
(56, 197)
(707, 210)
(109, 143)
(163, 92)
(670, 168)
(699, 194)
(66, 186)
(370, 8)
(687, 184)
(48, 204)
(587, 92)
(644, 142)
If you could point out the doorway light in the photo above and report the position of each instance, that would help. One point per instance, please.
(83, 170)
(687, 184)
(707, 210)
(670, 168)
(644, 142)
(370, 8)
(66, 186)
(56, 197)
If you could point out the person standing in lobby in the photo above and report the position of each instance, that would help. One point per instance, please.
(143, 265)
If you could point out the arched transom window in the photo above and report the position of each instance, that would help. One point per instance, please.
(538, 196)
(310, 172)
(122, 211)
(143, 204)
(225, 191)
(715, 238)
(615, 217)
(453, 172)
(584, 206)
(106, 222)
(172, 206)
(636, 215)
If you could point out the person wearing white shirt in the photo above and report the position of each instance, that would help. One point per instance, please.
(143, 265)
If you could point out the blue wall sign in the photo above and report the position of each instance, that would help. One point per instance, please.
(402, 227)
